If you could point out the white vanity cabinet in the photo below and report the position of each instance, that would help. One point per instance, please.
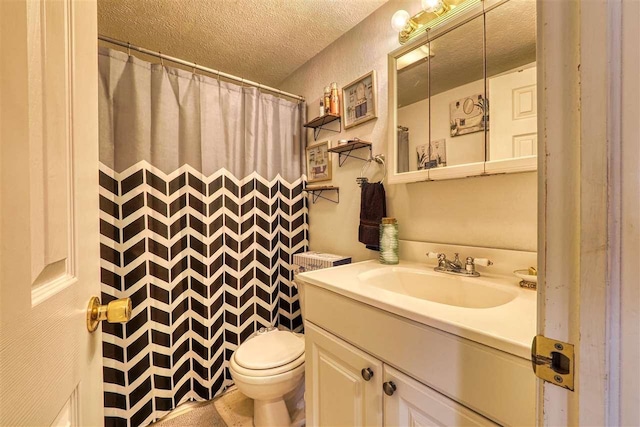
(414, 404)
(440, 378)
(343, 384)
(344, 387)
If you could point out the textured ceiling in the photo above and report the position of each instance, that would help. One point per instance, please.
(458, 55)
(260, 40)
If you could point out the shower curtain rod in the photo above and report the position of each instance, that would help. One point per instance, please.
(198, 67)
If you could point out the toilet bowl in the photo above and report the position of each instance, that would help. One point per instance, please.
(265, 367)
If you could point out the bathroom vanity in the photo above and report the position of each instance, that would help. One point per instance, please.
(381, 351)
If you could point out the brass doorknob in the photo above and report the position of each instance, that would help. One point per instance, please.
(117, 311)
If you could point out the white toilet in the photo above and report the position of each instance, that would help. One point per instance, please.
(265, 368)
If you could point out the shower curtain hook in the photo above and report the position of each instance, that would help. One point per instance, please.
(194, 67)
(218, 78)
(128, 48)
(161, 58)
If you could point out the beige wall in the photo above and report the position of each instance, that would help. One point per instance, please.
(496, 211)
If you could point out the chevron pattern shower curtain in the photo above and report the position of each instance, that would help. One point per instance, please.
(202, 209)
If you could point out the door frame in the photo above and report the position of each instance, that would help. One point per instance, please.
(580, 202)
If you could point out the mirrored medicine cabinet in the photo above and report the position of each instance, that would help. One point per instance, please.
(463, 96)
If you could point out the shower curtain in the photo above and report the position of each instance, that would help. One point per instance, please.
(202, 210)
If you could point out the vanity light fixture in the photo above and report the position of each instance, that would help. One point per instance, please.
(400, 19)
(437, 7)
(433, 13)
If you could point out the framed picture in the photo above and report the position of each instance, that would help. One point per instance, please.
(433, 155)
(467, 115)
(359, 100)
(318, 162)
(438, 153)
(422, 153)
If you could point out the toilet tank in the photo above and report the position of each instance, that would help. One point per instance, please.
(310, 261)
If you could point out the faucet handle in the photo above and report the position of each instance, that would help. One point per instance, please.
(470, 265)
(442, 258)
(485, 262)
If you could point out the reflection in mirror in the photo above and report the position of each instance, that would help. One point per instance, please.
(413, 106)
(457, 95)
(441, 101)
(511, 80)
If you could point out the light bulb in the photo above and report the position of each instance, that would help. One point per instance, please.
(399, 20)
(433, 6)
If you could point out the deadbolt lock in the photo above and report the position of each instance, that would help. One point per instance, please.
(553, 361)
(117, 311)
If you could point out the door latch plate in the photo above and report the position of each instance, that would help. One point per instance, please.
(553, 361)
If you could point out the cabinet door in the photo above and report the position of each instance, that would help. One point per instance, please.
(337, 393)
(414, 404)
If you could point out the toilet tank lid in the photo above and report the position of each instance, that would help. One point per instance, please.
(269, 350)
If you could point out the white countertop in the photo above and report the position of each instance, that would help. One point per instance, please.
(509, 327)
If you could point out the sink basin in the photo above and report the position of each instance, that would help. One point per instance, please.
(468, 292)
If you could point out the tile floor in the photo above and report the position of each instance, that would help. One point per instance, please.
(232, 409)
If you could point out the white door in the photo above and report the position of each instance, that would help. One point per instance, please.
(410, 403)
(343, 384)
(513, 114)
(50, 365)
(588, 206)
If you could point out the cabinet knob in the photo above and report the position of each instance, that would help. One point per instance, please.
(367, 374)
(389, 388)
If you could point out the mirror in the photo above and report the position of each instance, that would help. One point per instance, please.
(465, 96)
(511, 80)
(457, 96)
(412, 106)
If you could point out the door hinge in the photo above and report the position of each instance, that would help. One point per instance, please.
(553, 361)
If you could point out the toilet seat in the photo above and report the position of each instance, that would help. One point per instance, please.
(268, 350)
(267, 354)
(263, 373)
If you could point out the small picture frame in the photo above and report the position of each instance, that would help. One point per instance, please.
(422, 153)
(438, 153)
(433, 155)
(359, 100)
(319, 162)
(467, 115)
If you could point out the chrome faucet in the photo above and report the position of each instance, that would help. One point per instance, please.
(456, 267)
(445, 265)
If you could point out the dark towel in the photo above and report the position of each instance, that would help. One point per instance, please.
(373, 208)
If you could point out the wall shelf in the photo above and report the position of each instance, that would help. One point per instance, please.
(318, 124)
(344, 151)
(316, 193)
